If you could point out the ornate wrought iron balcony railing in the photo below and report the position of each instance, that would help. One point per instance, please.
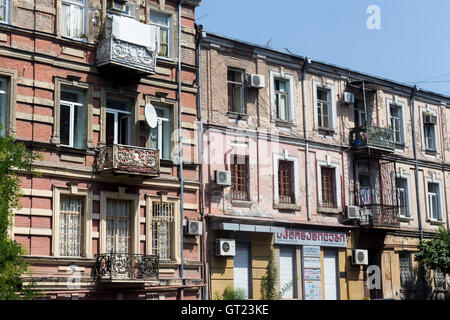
(379, 215)
(127, 267)
(126, 45)
(372, 137)
(128, 159)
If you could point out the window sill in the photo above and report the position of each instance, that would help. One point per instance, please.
(284, 124)
(287, 206)
(405, 219)
(237, 115)
(329, 210)
(242, 203)
(435, 222)
(431, 152)
(325, 131)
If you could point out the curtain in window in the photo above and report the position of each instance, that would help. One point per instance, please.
(70, 226)
(3, 106)
(162, 22)
(429, 137)
(72, 20)
(162, 225)
(117, 226)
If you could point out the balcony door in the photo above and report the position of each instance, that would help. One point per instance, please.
(118, 122)
(118, 226)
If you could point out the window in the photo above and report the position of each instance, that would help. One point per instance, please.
(163, 22)
(239, 178)
(365, 189)
(72, 119)
(118, 6)
(323, 107)
(328, 187)
(117, 226)
(429, 131)
(70, 230)
(72, 19)
(160, 136)
(405, 270)
(282, 99)
(402, 197)
(236, 91)
(118, 122)
(3, 105)
(434, 202)
(396, 120)
(285, 185)
(4, 11)
(360, 113)
(439, 280)
(163, 229)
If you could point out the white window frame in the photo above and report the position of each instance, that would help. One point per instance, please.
(440, 200)
(284, 157)
(72, 105)
(242, 85)
(84, 25)
(5, 107)
(160, 121)
(436, 135)
(291, 96)
(332, 111)
(338, 192)
(116, 112)
(406, 177)
(170, 34)
(7, 12)
(402, 106)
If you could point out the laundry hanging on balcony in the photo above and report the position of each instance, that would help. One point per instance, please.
(130, 30)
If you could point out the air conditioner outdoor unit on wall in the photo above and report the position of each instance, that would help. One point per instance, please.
(223, 177)
(360, 257)
(352, 212)
(225, 247)
(194, 228)
(348, 97)
(429, 118)
(256, 81)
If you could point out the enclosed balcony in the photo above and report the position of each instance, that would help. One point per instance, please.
(122, 159)
(371, 137)
(379, 216)
(127, 44)
(122, 267)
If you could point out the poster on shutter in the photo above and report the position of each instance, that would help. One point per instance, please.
(313, 290)
(311, 257)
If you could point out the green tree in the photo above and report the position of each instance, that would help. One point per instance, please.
(435, 253)
(231, 294)
(14, 157)
(270, 280)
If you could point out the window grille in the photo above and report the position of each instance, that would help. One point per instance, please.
(239, 178)
(328, 187)
(162, 229)
(285, 174)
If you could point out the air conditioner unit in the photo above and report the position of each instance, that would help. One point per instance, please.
(352, 212)
(429, 118)
(256, 81)
(360, 256)
(225, 247)
(194, 228)
(348, 97)
(223, 177)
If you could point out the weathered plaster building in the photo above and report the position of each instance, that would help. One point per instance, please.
(304, 145)
(104, 219)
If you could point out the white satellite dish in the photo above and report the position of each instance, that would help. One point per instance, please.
(151, 116)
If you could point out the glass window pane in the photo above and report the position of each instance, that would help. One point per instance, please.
(65, 125)
(78, 136)
(3, 106)
(159, 18)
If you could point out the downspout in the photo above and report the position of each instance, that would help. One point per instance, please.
(416, 169)
(202, 189)
(306, 63)
(180, 149)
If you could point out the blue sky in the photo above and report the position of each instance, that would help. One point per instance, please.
(412, 45)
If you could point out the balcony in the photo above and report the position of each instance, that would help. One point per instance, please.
(373, 138)
(379, 216)
(121, 267)
(121, 159)
(127, 45)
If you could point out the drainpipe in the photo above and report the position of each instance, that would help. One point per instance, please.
(202, 188)
(180, 146)
(306, 63)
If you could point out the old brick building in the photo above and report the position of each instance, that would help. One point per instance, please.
(105, 216)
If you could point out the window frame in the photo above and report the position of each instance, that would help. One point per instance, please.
(338, 192)
(295, 181)
(86, 195)
(170, 28)
(436, 134)
(231, 107)
(84, 28)
(81, 231)
(160, 142)
(237, 163)
(290, 184)
(10, 77)
(116, 112)
(278, 94)
(7, 12)
(290, 88)
(409, 284)
(402, 107)
(72, 105)
(406, 179)
(332, 109)
(439, 200)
